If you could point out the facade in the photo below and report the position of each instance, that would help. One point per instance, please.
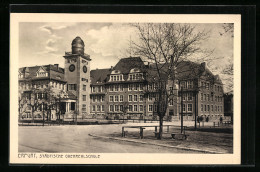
(61, 92)
(124, 91)
(121, 92)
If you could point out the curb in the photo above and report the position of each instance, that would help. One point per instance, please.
(156, 144)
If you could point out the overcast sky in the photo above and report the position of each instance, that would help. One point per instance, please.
(45, 43)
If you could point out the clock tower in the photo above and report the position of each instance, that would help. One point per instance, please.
(77, 75)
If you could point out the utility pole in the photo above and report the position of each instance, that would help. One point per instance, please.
(43, 113)
(181, 109)
(195, 109)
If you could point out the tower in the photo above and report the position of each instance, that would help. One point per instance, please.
(77, 75)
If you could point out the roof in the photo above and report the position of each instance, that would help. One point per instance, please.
(126, 64)
(99, 76)
(53, 72)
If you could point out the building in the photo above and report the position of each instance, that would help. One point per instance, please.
(125, 85)
(124, 91)
(61, 92)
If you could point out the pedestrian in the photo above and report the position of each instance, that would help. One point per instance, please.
(221, 119)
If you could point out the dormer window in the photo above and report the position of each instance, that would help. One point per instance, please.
(42, 74)
(135, 76)
(118, 77)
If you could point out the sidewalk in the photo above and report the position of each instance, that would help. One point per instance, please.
(204, 140)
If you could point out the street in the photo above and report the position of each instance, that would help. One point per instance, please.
(75, 139)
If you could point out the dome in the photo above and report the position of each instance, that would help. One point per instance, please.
(77, 46)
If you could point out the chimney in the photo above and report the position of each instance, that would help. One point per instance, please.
(111, 67)
(203, 65)
(57, 66)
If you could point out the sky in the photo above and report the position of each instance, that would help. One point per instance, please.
(46, 43)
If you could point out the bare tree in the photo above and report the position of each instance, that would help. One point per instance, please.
(165, 45)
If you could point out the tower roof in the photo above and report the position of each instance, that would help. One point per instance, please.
(77, 41)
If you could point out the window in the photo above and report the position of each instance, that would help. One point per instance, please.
(121, 98)
(205, 97)
(215, 108)
(130, 108)
(208, 108)
(84, 97)
(150, 86)
(99, 89)
(116, 98)
(70, 86)
(111, 108)
(141, 87)
(184, 96)
(98, 108)
(205, 108)
(190, 84)
(135, 98)
(212, 97)
(150, 97)
(189, 107)
(121, 108)
(212, 109)
(136, 87)
(141, 108)
(201, 96)
(102, 98)
(130, 98)
(102, 108)
(183, 84)
(155, 108)
(121, 77)
(216, 98)
(208, 97)
(130, 87)
(207, 86)
(183, 107)
(218, 108)
(171, 102)
(135, 108)
(121, 88)
(93, 108)
(93, 89)
(201, 107)
(111, 98)
(141, 97)
(150, 108)
(116, 87)
(189, 96)
(98, 98)
(111, 88)
(84, 108)
(116, 108)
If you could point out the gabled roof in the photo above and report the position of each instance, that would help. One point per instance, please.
(53, 72)
(99, 76)
(126, 64)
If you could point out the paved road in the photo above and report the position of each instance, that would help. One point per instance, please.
(76, 139)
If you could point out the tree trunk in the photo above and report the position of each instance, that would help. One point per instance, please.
(159, 137)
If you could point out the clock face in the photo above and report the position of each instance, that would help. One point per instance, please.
(72, 67)
(85, 69)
